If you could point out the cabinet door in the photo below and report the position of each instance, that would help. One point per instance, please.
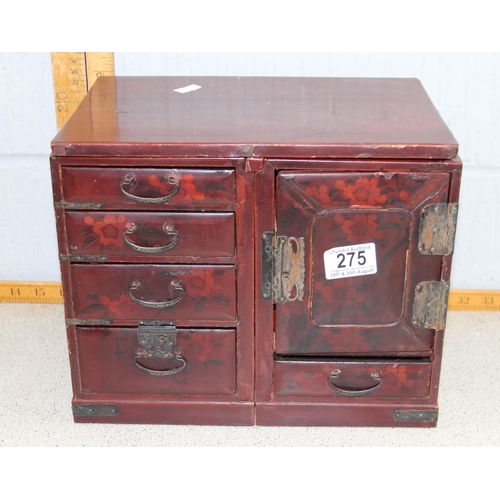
(361, 260)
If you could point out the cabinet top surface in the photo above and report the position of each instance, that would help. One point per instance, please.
(257, 116)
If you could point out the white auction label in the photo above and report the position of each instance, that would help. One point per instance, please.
(189, 88)
(349, 261)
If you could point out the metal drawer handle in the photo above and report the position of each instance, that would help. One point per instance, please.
(168, 228)
(131, 179)
(161, 373)
(351, 393)
(135, 285)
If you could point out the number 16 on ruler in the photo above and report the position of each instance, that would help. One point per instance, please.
(351, 260)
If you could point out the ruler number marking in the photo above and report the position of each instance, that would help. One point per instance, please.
(73, 78)
(474, 300)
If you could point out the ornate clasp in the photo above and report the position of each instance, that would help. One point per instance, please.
(156, 339)
(283, 268)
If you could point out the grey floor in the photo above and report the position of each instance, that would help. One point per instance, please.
(35, 388)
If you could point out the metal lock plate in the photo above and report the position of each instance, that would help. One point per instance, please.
(156, 339)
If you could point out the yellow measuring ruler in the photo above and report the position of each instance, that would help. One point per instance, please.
(51, 292)
(73, 74)
(38, 292)
(474, 300)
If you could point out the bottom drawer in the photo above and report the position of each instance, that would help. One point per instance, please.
(202, 362)
(375, 379)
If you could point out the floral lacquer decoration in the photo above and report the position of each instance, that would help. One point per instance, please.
(201, 347)
(188, 188)
(320, 194)
(361, 228)
(398, 377)
(116, 306)
(362, 192)
(107, 231)
(394, 190)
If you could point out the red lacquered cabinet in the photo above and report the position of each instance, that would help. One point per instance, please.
(270, 251)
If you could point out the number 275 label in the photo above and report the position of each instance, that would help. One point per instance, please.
(349, 261)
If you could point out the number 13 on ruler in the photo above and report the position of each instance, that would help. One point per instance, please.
(349, 261)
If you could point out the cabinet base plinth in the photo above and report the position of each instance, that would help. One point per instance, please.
(323, 415)
(173, 413)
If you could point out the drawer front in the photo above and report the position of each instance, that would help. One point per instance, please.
(119, 235)
(202, 362)
(154, 291)
(348, 380)
(147, 188)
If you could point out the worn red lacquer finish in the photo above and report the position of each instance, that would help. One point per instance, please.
(258, 250)
(149, 188)
(365, 313)
(209, 357)
(121, 236)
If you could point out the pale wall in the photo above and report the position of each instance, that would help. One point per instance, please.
(464, 87)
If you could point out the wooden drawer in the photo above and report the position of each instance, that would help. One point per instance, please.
(356, 379)
(147, 188)
(155, 235)
(173, 292)
(202, 362)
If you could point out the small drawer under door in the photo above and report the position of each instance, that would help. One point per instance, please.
(377, 379)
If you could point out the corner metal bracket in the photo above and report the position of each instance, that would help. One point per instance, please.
(416, 416)
(283, 268)
(431, 304)
(95, 410)
(78, 206)
(438, 224)
(247, 150)
(83, 258)
(87, 322)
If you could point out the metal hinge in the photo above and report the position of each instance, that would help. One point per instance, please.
(431, 304)
(438, 225)
(283, 268)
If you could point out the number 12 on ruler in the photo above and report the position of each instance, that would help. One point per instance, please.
(350, 261)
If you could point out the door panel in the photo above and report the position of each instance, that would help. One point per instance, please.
(366, 309)
(348, 299)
